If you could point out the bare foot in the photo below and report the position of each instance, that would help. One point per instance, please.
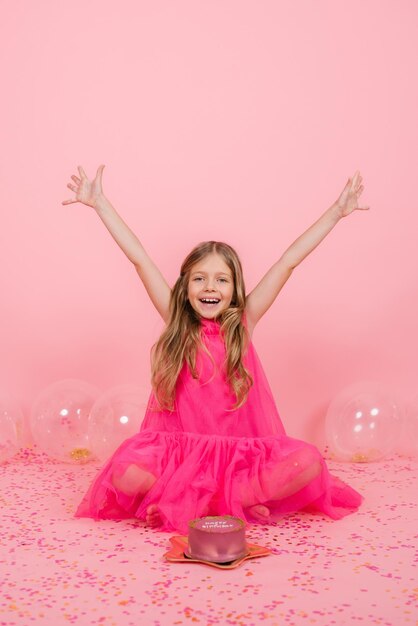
(153, 517)
(260, 512)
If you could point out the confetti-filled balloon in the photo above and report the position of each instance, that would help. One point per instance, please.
(363, 423)
(59, 420)
(115, 416)
(11, 427)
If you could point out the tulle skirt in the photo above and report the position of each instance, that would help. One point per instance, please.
(189, 475)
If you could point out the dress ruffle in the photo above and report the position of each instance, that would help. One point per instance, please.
(195, 475)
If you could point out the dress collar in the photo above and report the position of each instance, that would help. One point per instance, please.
(210, 326)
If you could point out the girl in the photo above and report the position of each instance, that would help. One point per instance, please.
(212, 442)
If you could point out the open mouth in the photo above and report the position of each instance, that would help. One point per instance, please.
(210, 301)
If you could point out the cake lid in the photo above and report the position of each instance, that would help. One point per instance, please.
(217, 523)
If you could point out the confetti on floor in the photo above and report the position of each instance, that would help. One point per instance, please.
(56, 569)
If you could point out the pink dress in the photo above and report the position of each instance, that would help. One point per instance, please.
(206, 459)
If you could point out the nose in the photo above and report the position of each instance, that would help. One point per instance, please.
(210, 285)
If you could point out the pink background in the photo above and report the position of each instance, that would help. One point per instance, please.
(238, 121)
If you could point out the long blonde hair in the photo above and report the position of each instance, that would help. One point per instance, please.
(180, 340)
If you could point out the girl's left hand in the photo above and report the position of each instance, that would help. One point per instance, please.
(348, 200)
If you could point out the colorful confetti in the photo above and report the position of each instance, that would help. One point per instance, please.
(56, 569)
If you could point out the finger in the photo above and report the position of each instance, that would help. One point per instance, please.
(99, 173)
(76, 179)
(69, 201)
(82, 172)
(352, 183)
(72, 187)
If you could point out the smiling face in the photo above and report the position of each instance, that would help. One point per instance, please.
(211, 286)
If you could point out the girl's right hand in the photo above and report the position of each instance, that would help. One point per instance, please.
(88, 192)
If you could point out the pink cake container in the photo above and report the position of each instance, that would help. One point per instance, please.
(217, 539)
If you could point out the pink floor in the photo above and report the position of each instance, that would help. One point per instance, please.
(59, 570)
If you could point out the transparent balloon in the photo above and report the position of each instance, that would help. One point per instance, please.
(115, 416)
(59, 420)
(11, 427)
(363, 423)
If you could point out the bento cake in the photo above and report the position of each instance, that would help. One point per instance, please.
(219, 539)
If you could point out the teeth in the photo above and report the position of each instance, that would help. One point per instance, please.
(210, 300)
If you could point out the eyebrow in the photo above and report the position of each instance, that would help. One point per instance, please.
(216, 273)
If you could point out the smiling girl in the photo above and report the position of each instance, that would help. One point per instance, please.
(212, 441)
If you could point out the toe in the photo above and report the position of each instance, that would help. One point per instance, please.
(260, 511)
(152, 516)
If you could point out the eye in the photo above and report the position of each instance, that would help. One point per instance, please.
(197, 278)
(223, 280)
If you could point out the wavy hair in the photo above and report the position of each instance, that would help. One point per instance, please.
(179, 342)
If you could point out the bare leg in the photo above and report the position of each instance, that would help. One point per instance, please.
(261, 512)
(296, 484)
(135, 480)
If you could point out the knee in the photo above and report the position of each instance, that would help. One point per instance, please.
(309, 460)
(313, 470)
(135, 480)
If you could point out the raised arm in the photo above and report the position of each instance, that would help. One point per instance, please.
(91, 193)
(264, 294)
